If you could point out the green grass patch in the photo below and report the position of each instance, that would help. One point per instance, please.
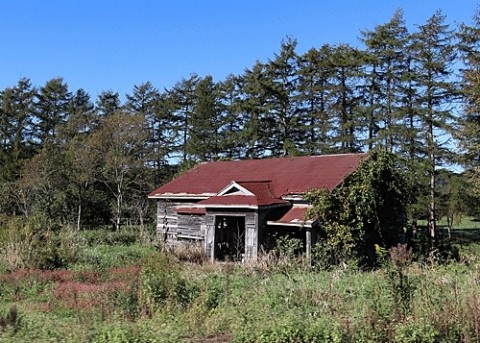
(146, 296)
(107, 256)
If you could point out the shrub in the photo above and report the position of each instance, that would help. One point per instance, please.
(36, 243)
(288, 247)
(104, 256)
(412, 332)
(161, 284)
(190, 252)
(402, 285)
(11, 320)
(108, 237)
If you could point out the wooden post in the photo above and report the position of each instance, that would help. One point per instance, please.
(251, 237)
(308, 243)
(211, 223)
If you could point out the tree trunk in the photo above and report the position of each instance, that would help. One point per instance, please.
(118, 210)
(432, 227)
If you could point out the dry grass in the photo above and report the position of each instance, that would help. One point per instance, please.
(189, 252)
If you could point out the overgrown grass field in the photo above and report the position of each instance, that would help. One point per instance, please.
(118, 289)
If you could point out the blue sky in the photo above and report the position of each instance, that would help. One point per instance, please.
(115, 44)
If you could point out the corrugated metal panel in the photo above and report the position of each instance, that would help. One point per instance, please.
(293, 175)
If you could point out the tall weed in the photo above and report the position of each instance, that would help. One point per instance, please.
(36, 243)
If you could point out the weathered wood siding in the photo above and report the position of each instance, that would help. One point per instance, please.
(179, 226)
(210, 235)
(251, 236)
(191, 226)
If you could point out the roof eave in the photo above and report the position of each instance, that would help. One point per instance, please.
(296, 224)
(181, 196)
(253, 207)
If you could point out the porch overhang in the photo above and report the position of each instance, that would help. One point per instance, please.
(296, 216)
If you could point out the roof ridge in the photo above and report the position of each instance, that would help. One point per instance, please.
(254, 181)
(286, 157)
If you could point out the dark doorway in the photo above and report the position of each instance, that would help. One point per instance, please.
(229, 238)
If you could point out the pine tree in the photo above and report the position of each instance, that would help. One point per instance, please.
(284, 116)
(145, 101)
(434, 55)
(315, 90)
(182, 98)
(231, 118)
(385, 47)
(203, 140)
(16, 140)
(107, 103)
(16, 128)
(346, 62)
(52, 109)
(469, 133)
(254, 105)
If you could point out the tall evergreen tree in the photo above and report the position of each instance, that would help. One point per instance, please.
(146, 101)
(315, 91)
(203, 142)
(346, 62)
(52, 109)
(434, 56)
(183, 98)
(469, 133)
(283, 110)
(16, 140)
(107, 103)
(254, 105)
(16, 128)
(231, 118)
(385, 46)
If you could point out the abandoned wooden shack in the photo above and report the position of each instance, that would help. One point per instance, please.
(235, 208)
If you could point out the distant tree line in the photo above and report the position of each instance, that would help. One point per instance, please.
(88, 161)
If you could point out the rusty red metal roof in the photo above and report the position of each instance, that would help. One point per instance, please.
(241, 201)
(190, 210)
(295, 214)
(285, 176)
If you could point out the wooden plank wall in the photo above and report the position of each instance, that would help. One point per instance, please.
(179, 226)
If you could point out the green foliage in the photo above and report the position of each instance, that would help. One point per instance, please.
(107, 256)
(108, 237)
(11, 320)
(402, 285)
(293, 331)
(89, 163)
(368, 209)
(164, 300)
(288, 247)
(416, 332)
(37, 243)
(55, 147)
(162, 285)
